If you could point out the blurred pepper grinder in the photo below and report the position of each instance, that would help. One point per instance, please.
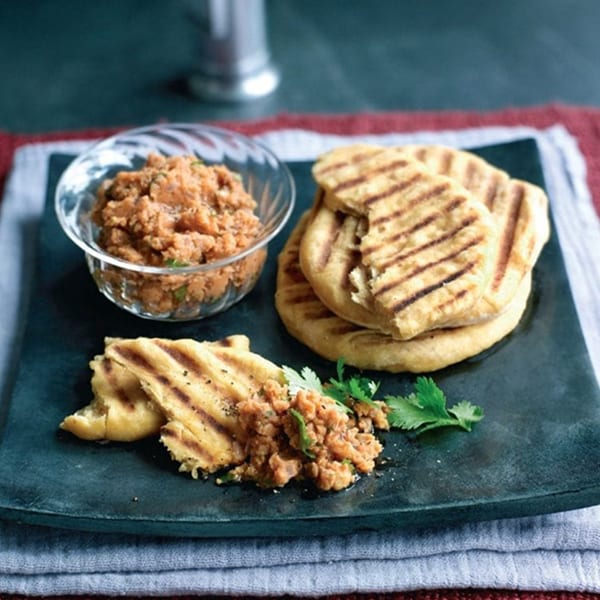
(235, 63)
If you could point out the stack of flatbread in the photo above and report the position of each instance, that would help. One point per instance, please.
(183, 390)
(411, 258)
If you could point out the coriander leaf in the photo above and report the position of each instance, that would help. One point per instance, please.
(173, 262)
(357, 388)
(362, 389)
(425, 409)
(406, 412)
(307, 379)
(339, 396)
(467, 414)
(305, 441)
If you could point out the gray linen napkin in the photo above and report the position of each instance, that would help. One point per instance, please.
(559, 551)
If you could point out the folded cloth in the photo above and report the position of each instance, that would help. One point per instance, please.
(554, 552)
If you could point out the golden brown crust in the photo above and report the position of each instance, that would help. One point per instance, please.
(332, 337)
(519, 209)
(330, 251)
(424, 253)
(197, 387)
(121, 410)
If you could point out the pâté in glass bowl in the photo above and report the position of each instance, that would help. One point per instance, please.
(175, 219)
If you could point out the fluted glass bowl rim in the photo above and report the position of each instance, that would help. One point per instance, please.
(262, 240)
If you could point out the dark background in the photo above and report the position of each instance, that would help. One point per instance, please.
(69, 64)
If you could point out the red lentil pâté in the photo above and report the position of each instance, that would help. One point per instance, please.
(174, 212)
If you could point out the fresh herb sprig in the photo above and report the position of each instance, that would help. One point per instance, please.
(422, 410)
(306, 379)
(425, 409)
(345, 390)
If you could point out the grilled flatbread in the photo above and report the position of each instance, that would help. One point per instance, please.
(520, 210)
(330, 254)
(426, 250)
(312, 323)
(330, 258)
(197, 388)
(121, 411)
(357, 175)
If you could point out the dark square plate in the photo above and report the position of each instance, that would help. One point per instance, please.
(536, 451)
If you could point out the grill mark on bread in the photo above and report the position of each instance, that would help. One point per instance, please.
(420, 225)
(406, 302)
(430, 244)
(302, 298)
(424, 267)
(435, 242)
(445, 162)
(366, 250)
(508, 233)
(185, 360)
(318, 312)
(189, 443)
(419, 199)
(469, 173)
(190, 364)
(343, 328)
(455, 203)
(366, 175)
(457, 296)
(492, 190)
(106, 365)
(183, 397)
(342, 278)
(134, 357)
(393, 189)
(332, 167)
(421, 153)
(330, 240)
(351, 160)
(307, 298)
(294, 272)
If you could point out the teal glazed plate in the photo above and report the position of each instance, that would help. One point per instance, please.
(536, 451)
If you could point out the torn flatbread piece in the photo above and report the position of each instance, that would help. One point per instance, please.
(121, 410)
(197, 389)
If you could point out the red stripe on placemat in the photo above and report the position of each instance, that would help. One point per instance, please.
(582, 122)
(9, 142)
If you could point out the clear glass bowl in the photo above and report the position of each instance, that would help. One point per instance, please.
(175, 293)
